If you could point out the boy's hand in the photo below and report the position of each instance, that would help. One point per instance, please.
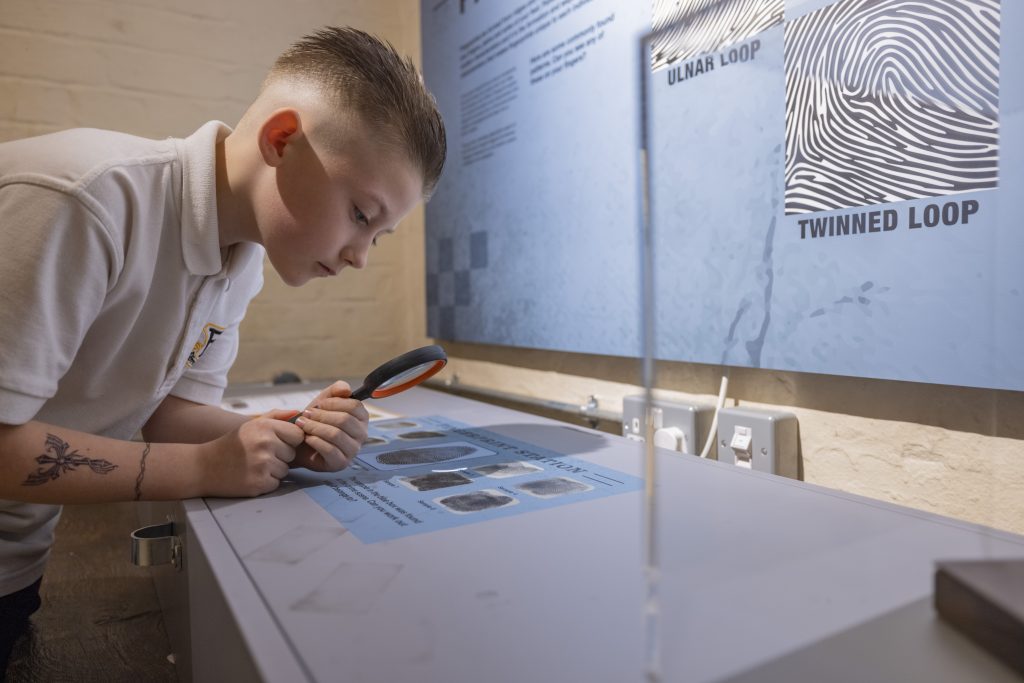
(251, 460)
(335, 427)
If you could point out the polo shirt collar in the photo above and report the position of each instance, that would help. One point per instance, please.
(200, 233)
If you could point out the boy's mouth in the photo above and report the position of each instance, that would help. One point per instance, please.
(325, 270)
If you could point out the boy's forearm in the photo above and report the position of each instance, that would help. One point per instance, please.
(178, 420)
(42, 463)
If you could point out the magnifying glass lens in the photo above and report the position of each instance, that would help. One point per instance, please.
(407, 379)
(407, 376)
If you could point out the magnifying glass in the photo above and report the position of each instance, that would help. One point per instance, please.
(401, 373)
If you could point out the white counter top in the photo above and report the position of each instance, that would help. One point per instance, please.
(763, 578)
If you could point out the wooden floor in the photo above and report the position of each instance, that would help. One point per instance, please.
(100, 619)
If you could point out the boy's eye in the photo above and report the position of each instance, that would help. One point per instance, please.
(361, 217)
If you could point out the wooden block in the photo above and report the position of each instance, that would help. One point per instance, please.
(985, 601)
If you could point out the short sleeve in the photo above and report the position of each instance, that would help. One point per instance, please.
(56, 265)
(217, 347)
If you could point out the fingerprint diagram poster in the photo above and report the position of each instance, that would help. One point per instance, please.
(418, 475)
(847, 199)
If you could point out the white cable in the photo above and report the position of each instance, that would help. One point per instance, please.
(713, 434)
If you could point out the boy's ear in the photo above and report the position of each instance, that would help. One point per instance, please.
(282, 128)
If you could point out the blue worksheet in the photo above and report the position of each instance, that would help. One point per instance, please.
(424, 474)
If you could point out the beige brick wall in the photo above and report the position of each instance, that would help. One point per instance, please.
(156, 68)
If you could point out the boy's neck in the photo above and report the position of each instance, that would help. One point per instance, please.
(230, 224)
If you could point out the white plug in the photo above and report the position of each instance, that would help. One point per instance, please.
(672, 438)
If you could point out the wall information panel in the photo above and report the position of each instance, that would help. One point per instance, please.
(834, 184)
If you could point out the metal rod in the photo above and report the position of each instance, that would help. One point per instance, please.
(587, 410)
(652, 573)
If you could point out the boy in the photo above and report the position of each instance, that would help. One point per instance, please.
(126, 266)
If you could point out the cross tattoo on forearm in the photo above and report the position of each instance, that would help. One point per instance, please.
(61, 461)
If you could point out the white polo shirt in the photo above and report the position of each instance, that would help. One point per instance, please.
(114, 293)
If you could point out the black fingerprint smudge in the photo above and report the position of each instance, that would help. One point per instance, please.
(396, 425)
(507, 469)
(420, 435)
(890, 100)
(558, 486)
(476, 501)
(701, 26)
(438, 480)
(420, 456)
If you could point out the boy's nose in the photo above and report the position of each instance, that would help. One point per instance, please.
(355, 256)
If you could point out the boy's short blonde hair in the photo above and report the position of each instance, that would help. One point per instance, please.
(368, 77)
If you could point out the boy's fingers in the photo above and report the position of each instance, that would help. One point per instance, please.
(339, 389)
(278, 469)
(314, 462)
(279, 414)
(315, 428)
(345, 422)
(331, 457)
(340, 404)
(306, 457)
(337, 438)
(289, 433)
(345, 405)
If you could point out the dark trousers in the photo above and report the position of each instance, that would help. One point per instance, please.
(15, 610)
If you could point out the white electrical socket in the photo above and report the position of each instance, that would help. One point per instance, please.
(678, 426)
(763, 440)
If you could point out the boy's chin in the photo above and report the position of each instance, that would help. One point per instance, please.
(294, 279)
(291, 276)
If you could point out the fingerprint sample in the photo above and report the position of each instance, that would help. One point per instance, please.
(420, 456)
(502, 470)
(888, 100)
(437, 480)
(477, 501)
(420, 435)
(549, 488)
(373, 441)
(707, 26)
(403, 424)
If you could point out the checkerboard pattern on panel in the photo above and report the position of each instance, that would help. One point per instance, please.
(450, 267)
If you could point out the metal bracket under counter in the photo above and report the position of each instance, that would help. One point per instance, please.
(156, 544)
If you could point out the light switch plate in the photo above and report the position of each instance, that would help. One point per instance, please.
(773, 440)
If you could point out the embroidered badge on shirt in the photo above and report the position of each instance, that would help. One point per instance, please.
(209, 335)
